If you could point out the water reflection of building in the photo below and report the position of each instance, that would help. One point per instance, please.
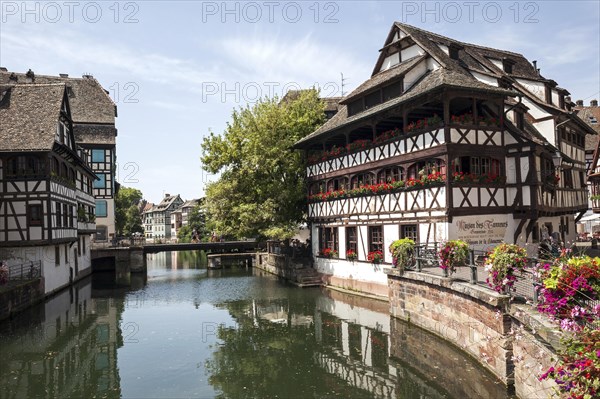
(70, 351)
(355, 346)
(364, 346)
(177, 260)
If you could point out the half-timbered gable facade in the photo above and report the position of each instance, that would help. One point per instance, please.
(46, 200)
(446, 140)
(157, 220)
(591, 115)
(93, 113)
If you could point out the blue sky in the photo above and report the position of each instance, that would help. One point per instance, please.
(177, 69)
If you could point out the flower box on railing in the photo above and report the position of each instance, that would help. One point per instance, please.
(459, 178)
(384, 138)
(381, 188)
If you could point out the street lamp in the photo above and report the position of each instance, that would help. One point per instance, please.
(557, 159)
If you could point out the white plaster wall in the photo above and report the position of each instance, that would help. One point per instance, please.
(390, 61)
(432, 64)
(363, 237)
(444, 48)
(538, 89)
(555, 98)
(54, 276)
(496, 62)
(361, 271)
(391, 233)
(342, 241)
(412, 51)
(488, 80)
(414, 74)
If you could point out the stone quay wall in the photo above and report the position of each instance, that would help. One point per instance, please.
(513, 342)
(21, 296)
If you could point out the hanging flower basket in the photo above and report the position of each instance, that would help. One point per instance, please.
(503, 263)
(452, 254)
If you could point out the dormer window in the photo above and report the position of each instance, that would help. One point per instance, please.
(373, 99)
(453, 51)
(507, 65)
(548, 93)
(355, 107)
(519, 119)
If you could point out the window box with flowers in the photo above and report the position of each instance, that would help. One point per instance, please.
(375, 257)
(329, 253)
(425, 124)
(351, 255)
(471, 178)
(503, 263)
(432, 179)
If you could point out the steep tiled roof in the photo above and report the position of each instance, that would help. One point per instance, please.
(383, 77)
(457, 73)
(472, 55)
(29, 116)
(95, 134)
(434, 80)
(588, 114)
(90, 103)
(166, 202)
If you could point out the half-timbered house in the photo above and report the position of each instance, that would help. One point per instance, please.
(591, 115)
(46, 200)
(446, 140)
(157, 220)
(93, 113)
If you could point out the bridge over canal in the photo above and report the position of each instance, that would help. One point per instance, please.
(127, 259)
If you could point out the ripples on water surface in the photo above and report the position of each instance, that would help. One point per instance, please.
(185, 331)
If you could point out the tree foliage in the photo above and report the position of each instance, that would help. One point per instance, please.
(261, 191)
(196, 221)
(128, 217)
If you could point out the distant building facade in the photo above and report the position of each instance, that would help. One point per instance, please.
(591, 115)
(93, 116)
(157, 219)
(180, 216)
(46, 199)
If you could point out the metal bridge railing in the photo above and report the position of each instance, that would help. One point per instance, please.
(25, 271)
(426, 260)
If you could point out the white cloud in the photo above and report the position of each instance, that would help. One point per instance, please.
(303, 61)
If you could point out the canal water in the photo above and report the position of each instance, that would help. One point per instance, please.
(188, 332)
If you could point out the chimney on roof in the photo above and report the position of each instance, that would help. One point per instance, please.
(88, 76)
(579, 103)
(594, 103)
(30, 76)
(3, 69)
(63, 75)
(167, 195)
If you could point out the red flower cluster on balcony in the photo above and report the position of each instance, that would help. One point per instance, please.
(387, 135)
(469, 119)
(380, 188)
(474, 178)
(375, 257)
(425, 123)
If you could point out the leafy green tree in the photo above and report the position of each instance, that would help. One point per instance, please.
(196, 221)
(128, 218)
(261, 191)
